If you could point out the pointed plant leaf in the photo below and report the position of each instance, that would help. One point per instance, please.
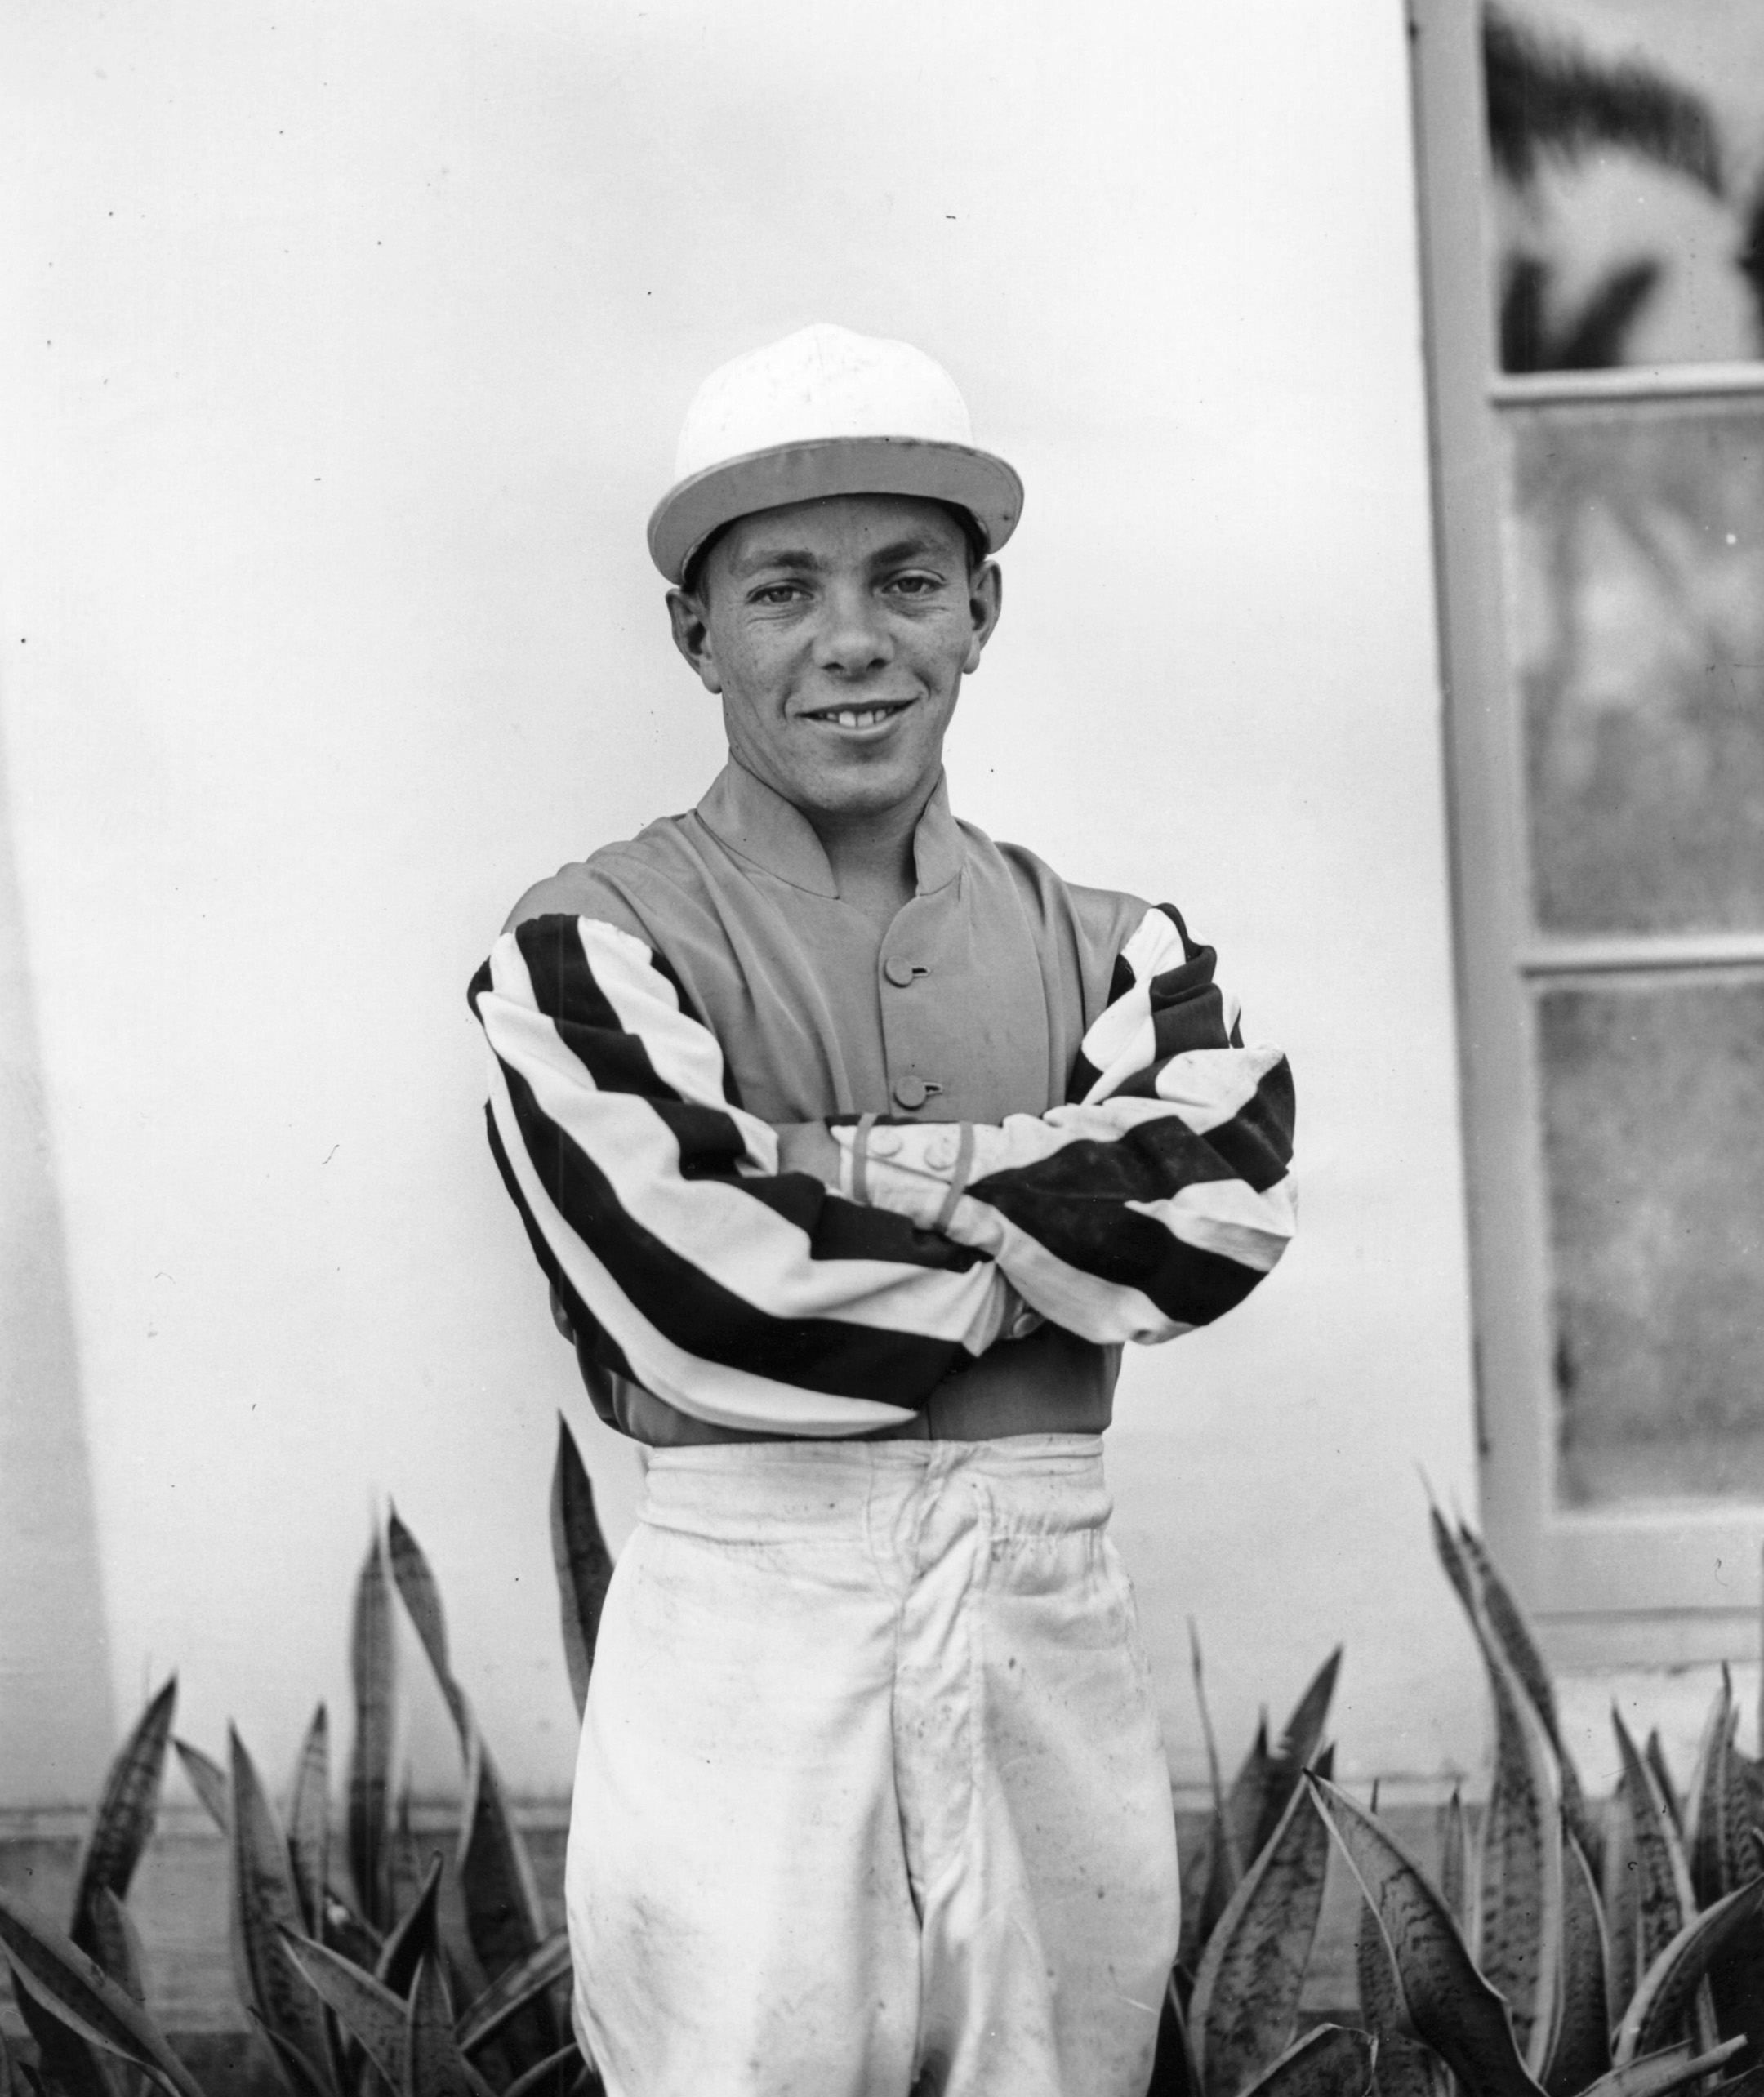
(1664, 1899)
(1298, 1748)
(1655, 1755)
(1519, 1908)
(265, 1905)
(117, 1947)
(208, 1780)
(1405, 2067)
(75, 1989)
(1512, 1631)
(1721, 1857)
(370, 1764)
(1245, 1999)
(543, 2074)
(1329, 2061)
(1520, 1904)
(433, 2065)
(1247, 1800)
(1454, 1560)
(1221, 1861)
(1582, 2050)
(117, 1944)
(513, 1989)
(1304, 1732)
(126, 1809)
(421, 1596)
(1621, 1888)
(1669, 1984)
(1450, 2006)
(584, 1565)
(416, 1937)
(1174, 2073)
(1201, 1896)
(302, 2077)
(1654, 2074)
(68, 2066)
(504, 1915)
(1706, 1842)
(368, 2010)
(309, 1823)
(1456, 1872)
(503, 1909)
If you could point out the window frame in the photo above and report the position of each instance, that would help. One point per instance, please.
(1678, 1584)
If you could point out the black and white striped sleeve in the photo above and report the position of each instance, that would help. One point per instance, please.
(1157, 1199)
(655, 1204)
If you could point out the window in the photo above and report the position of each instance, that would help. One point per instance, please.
(1592, 198)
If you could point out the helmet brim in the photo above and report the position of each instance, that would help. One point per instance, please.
(982, 484)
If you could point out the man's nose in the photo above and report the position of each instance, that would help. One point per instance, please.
(854, 636)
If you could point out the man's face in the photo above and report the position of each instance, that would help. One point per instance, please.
(837, 634)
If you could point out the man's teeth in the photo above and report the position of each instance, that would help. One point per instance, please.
(856, 717)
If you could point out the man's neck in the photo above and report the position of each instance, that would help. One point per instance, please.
(871, 857)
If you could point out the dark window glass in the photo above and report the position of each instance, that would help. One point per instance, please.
(1653, 1097)
(1636, 574)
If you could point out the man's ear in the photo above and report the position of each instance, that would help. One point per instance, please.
(692, 636)
(985, 600)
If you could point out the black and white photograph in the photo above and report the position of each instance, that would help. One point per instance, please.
(882, 1141)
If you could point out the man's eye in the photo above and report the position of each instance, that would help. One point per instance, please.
(776, 593)
(915, 585)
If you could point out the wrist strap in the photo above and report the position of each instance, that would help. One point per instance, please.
(860, 1155)
(958, 1178)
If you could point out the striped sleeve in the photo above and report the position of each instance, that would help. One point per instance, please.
(742, 1295)
(1151, 1203)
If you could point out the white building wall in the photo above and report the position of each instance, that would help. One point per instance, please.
(346, 352)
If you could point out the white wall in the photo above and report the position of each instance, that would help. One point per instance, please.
(352, 338)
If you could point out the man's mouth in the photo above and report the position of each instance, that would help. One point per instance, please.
(871, 716)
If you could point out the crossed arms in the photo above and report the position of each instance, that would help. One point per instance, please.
(832, 1300)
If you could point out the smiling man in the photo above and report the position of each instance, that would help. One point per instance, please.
(854, 1146)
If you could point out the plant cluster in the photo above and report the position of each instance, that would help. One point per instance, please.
(1569, 1949)
(352, 1966)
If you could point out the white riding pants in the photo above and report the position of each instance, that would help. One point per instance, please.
(870, 1797)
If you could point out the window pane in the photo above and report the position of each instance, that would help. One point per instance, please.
(1624, 151)
(1654, 1144)
(1636, 559)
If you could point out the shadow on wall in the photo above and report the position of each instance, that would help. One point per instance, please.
(55, 1667)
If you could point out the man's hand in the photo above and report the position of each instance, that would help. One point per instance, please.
(808, 1146)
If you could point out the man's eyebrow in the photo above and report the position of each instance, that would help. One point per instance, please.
(794, 557)
(917, 547)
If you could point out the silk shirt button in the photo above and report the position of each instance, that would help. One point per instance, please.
(883, 1143)
(899, 972)
(913, 1092)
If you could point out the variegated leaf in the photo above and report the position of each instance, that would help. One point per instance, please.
(264, 1906)
(1662, 1882)
(370, 1764)
(309, 1823)
(1665, 1996)
(127, 1809)
(1582, 2050)
(1246, 1994)
(584, 1565)
(72, 1988)
(1450, 2006)
(1329, 2061)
